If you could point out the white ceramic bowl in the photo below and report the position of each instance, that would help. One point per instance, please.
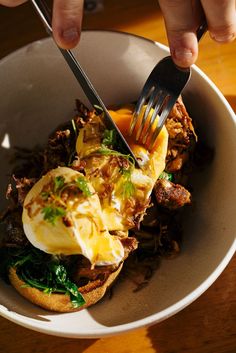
(38, 92)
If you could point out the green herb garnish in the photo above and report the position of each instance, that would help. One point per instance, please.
(109, 152)
(51, 213)
(109, 138)
(45, 195)
(98, 109)
(128, 188)
(59, 182)
(56, 194)
(166, 176)
(82, 184)
(74, 127)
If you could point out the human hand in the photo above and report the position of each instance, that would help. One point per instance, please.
(183, 17)
(66, 21)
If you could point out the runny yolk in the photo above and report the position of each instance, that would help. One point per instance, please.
(122, 117)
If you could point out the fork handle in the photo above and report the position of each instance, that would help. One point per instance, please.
(201, 30)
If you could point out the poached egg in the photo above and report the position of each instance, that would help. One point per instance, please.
(62, 217)
(70, 213)
(124, 193)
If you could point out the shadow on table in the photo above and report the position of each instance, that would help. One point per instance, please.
(29, 341)
(232, 102)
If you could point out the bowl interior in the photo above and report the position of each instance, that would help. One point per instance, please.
(38, 93)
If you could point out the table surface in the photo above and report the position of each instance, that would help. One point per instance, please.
(209, 324)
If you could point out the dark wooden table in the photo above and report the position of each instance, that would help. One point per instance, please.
(209, 324)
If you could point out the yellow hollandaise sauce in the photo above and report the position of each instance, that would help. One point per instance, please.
(70, 213)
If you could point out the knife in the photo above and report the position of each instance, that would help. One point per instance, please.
(89, 90)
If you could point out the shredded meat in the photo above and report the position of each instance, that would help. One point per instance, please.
(16, 193)
(60, 150)
(23, 185)
(78, 164)
(14, 235)
(28, 162)
(158, 235)
(84, 115)
(182, 137)
(130, 244)
(83, 270)
(170, 195)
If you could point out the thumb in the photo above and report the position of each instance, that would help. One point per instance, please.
(183, 47)
(181, 20)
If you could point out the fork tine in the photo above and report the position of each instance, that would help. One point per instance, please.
(139, 105)
(169, 103)
(138, 108)
(153, 93)
(159, 103)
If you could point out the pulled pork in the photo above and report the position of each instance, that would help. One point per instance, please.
(159, 233)
(182, 138)
(170, 195)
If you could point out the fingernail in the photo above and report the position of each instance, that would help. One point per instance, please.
(226, 38)
(183, 54)
(70, 35)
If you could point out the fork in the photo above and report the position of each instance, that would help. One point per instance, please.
(159, 94)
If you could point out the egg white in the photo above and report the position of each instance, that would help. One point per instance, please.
(143, 180)
(93, 217)
(87, 235)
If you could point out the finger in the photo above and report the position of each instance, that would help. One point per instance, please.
(67, 21)
(182, 18)
(12, 3)
(221, 19)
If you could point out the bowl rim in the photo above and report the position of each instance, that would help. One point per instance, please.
(105, 331)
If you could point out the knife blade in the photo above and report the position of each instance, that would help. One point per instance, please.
(89, 90)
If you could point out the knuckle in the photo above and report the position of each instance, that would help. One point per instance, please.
(69, 7)
(171, 3)
(224, 33)
(12, 3)
(67, 12)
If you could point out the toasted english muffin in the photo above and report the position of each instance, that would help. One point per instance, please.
(91, 292)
